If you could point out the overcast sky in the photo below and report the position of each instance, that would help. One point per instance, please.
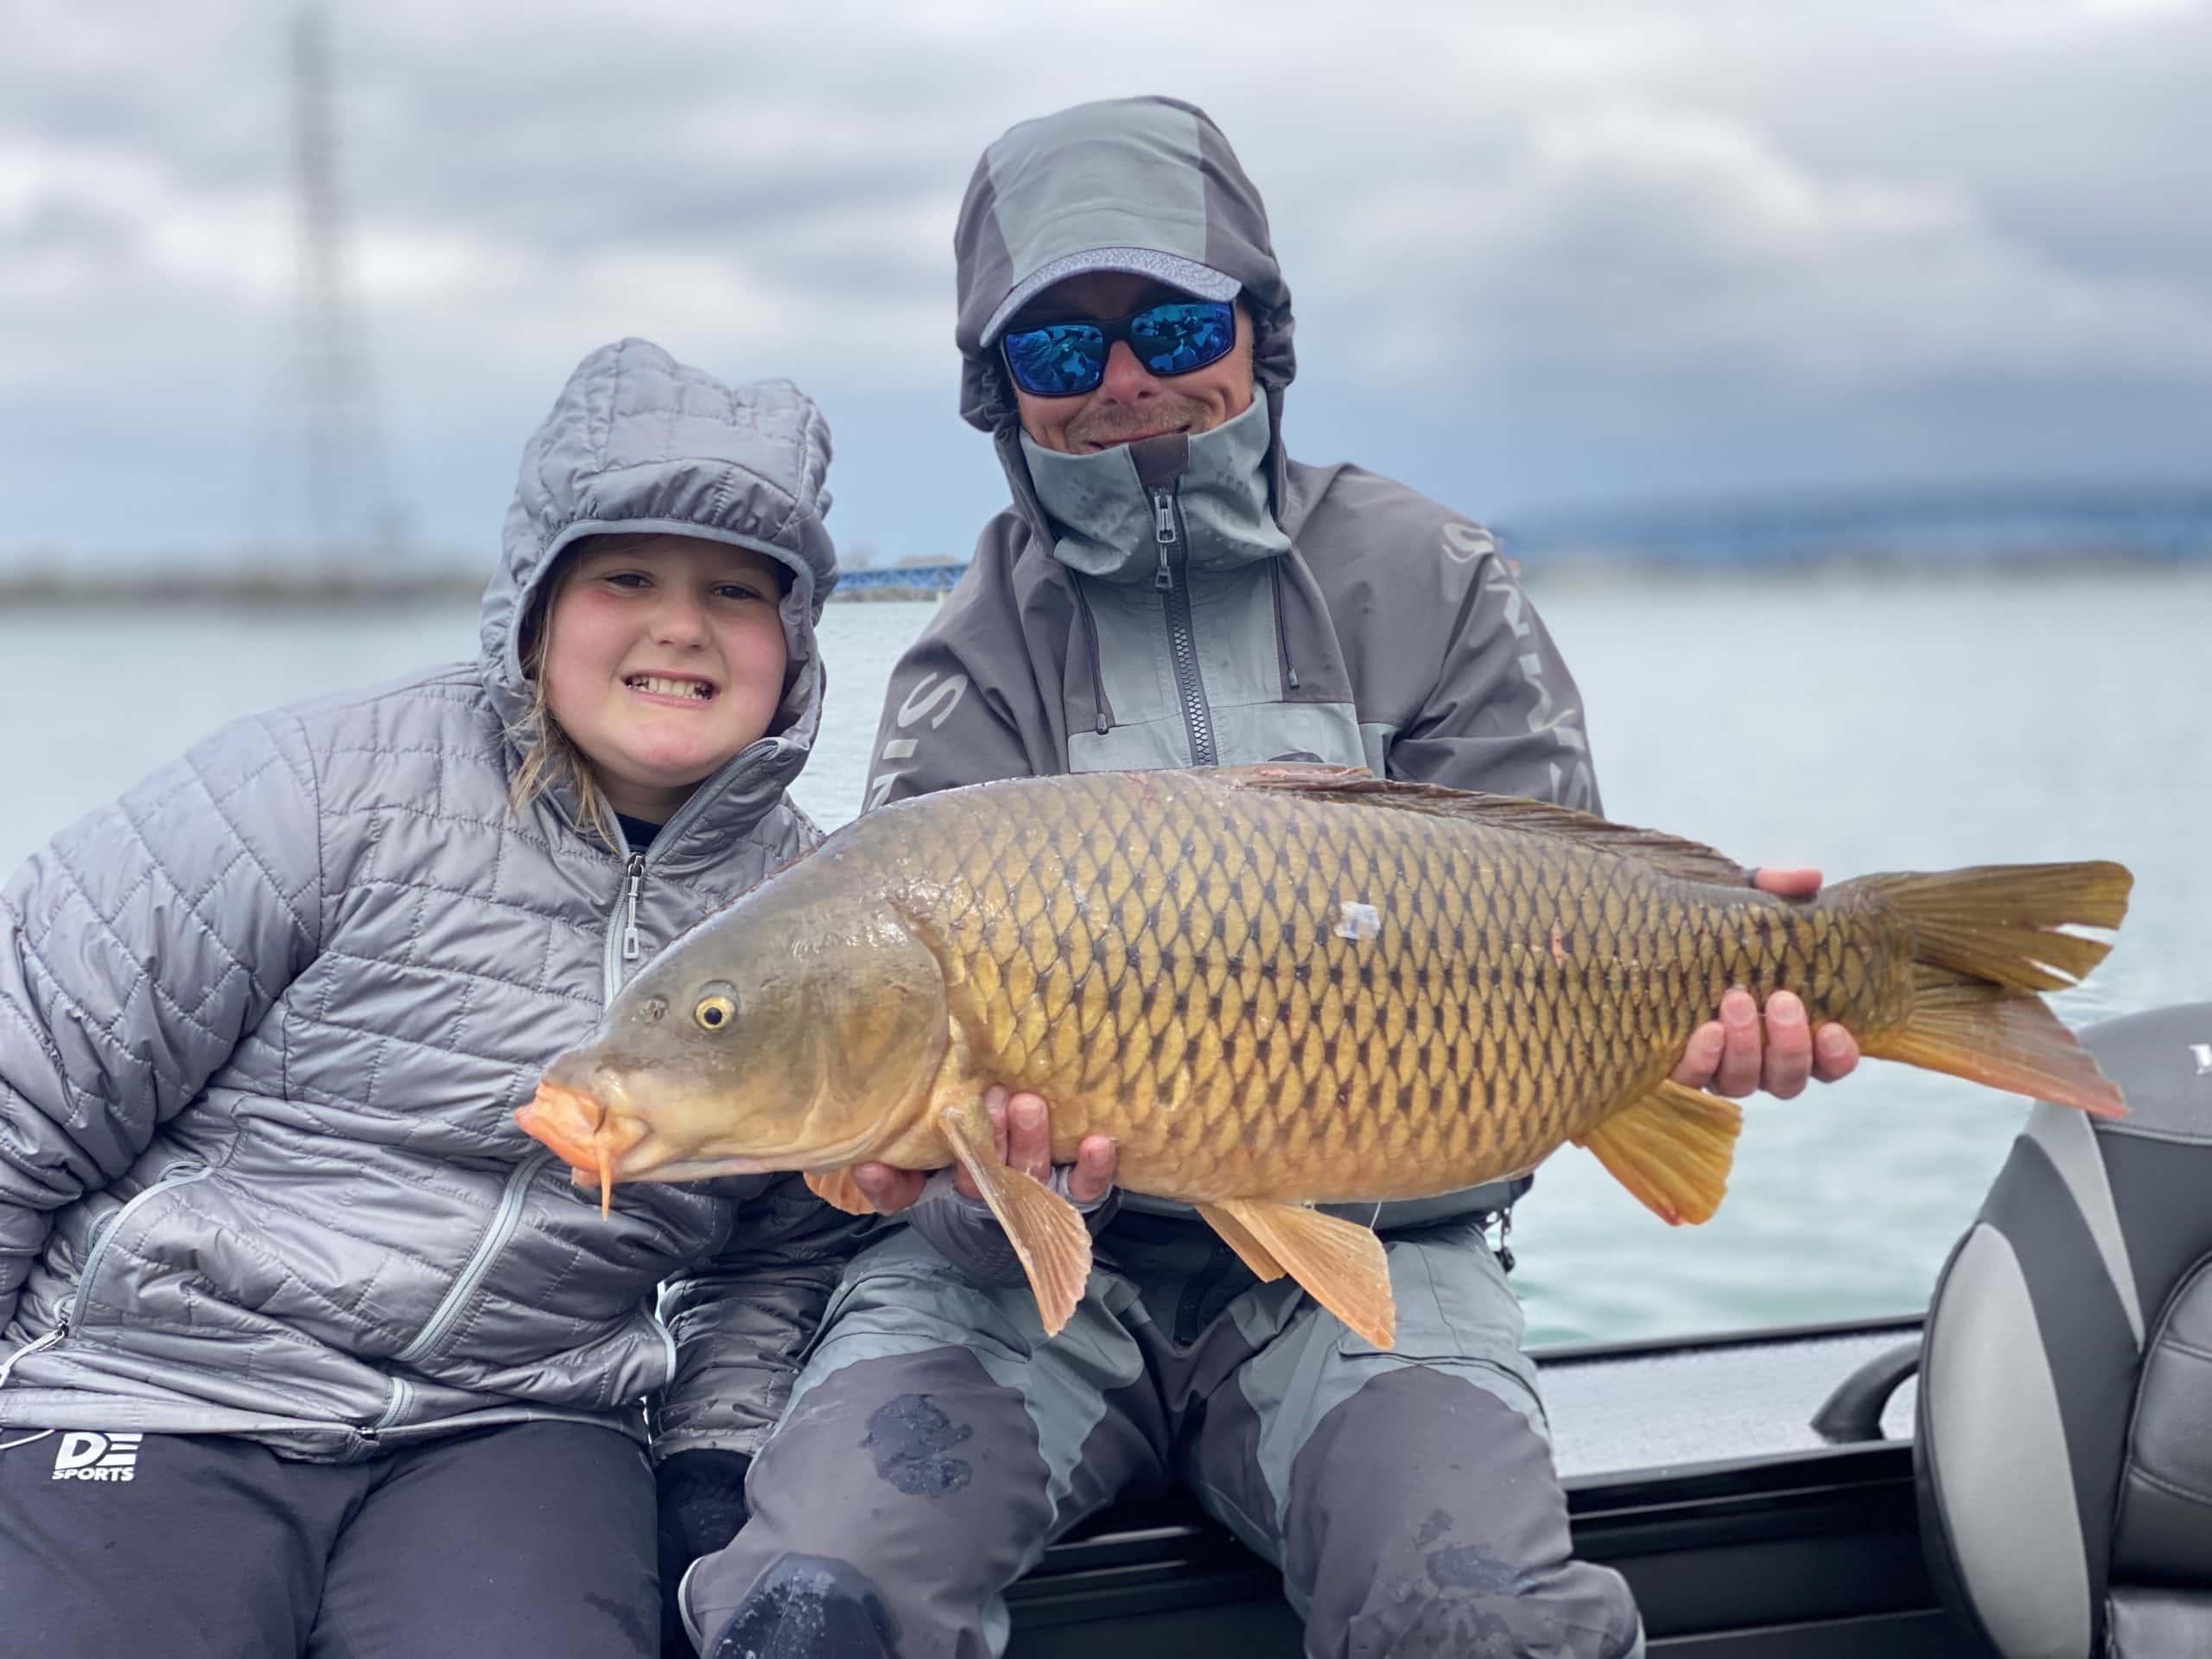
(1543, 255)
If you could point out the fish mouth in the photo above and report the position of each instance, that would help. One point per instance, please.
(601, 1146)
(667, 686)
(582, 1132)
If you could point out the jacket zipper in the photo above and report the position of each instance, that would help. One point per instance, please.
(667, 1336)
(624, 943)
(402, 1397)
(72, 1307)
(167, 1178)
(68, 1316)
(632, 946)
(61, 1330)
(504, 1222)
(1182, 642)
(1164, 536)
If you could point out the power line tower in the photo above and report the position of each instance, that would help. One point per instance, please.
(331, 459)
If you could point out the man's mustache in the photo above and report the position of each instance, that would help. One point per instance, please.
(1121, 424)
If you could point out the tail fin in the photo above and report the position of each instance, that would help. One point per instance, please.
(1987, 941)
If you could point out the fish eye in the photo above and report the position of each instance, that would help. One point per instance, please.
(714, 1012)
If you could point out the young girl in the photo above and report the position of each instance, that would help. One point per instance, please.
(305, 1347)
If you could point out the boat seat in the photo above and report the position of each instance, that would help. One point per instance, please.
(2064, 1436)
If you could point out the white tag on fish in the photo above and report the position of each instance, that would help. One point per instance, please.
(1357, 921)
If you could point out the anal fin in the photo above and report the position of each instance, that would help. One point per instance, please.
(1048, 1235)
(1340, 1263)
(1249, 1249)
(838, 1188)
(1673, 1148)
(2006, 1039)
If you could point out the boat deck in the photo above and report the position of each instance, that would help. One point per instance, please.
(1617, 1409)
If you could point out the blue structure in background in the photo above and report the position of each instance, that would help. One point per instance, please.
(930, 578)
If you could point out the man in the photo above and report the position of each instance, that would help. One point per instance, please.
(1169, 589)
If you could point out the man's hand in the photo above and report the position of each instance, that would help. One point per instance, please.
(1725, 1055)
(1021, 1129)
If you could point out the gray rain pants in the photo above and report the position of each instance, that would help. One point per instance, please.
(935, 1442)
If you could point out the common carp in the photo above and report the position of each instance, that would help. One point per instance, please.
(1280, 986)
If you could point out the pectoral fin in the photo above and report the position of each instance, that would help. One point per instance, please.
(1339, 1264)
(1249, 1249)
(838, 1188)
(1673, 1148)
(1048, 1235)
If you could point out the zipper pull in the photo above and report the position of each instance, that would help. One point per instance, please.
(60, 1333)
(633, 946)
(1163, 534)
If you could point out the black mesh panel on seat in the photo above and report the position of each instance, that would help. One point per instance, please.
(2153, 1623)
(2164, 1536)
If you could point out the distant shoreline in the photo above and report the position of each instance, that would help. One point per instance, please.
(281, 590)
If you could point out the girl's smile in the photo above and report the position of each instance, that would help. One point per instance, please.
(664, 659)
(679, 689)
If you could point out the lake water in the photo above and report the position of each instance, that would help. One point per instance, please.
(1854, 723)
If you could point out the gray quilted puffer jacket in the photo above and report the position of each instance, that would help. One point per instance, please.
(263, 1023)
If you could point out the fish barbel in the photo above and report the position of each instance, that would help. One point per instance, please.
(1276, 987)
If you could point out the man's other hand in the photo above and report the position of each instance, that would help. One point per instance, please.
(1728, 1055)
(1021, 1130)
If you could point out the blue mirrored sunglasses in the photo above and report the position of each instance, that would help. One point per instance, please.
(1065, 360)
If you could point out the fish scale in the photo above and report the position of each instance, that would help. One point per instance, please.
(1444, 1040)
(1278, 987)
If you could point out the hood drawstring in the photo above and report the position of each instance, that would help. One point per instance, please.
(1282, 632)
(1103, 711)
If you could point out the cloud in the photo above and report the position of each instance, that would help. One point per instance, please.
(1540, 252)
(1645, 242)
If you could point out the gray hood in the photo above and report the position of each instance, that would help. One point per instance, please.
(1132, 173)
(639, 441)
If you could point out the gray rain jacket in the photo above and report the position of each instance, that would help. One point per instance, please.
(265, 1022)
(1378, 629)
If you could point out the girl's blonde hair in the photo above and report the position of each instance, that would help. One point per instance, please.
(551, 758)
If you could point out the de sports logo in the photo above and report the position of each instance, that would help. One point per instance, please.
(84, 1455)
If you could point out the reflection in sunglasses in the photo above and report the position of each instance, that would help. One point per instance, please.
(1066, 360)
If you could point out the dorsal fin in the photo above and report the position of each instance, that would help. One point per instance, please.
(1691, 860)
